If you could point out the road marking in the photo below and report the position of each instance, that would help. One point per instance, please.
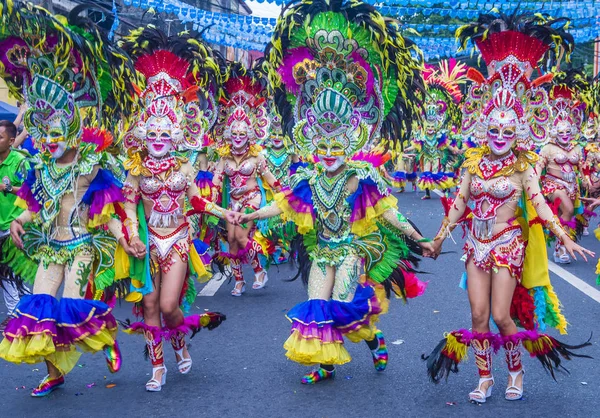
(570, 278)
(574, 281)
(215, 283)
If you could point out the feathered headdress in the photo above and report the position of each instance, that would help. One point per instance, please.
(570, 94)
(592, 123)
(340, 69)
(182, 79)
(512, 47)
(60, 67)
(244, 100)
(444, 96)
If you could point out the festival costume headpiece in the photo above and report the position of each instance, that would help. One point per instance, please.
(569, 95)
(61, 68)
(443, 99)
(182, 78)
(244, 102)
(342, 72)
(592, 123)
(511, 46)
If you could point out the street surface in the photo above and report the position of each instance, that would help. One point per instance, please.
(240, 369)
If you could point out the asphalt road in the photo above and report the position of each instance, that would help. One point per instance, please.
(240, 369)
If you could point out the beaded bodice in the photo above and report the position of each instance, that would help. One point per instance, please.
(239, 175)
(279, 162)
(332, 208)
(489, 195)
(165, 189)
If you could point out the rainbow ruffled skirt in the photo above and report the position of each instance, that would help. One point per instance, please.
(45, 328)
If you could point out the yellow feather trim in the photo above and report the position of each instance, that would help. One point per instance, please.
(473, 156)
(304, 221)
(367, 225)
(103, 217)
(455, 348)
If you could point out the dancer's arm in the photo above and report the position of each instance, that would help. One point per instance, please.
(456, 210)
(265, 212)
(531, 185)
(266, 175)
(131, 191)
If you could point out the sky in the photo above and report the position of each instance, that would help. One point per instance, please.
(264, 9)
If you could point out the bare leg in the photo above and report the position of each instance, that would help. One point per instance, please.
(479, 288)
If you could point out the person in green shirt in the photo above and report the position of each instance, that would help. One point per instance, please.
(13, 166)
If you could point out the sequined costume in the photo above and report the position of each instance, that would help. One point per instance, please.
(70, 193)
(591, 168)
(243, 122)
(179, 72)
(433, 142)
(282, 162)
(508, 115)
(353, 236)
(561, 160)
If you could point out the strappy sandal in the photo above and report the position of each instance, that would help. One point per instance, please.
(478, 395)
(185, 364)
(260, 285)
(238, 292)
(153, 385)
(514, 393)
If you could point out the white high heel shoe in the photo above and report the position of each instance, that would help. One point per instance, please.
(478, 395)
(185, 364)
(561, 256)
(238, 292)
(515, 391)
(153, 385)
(260, 285)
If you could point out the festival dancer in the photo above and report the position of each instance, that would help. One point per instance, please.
(242, 122)
(561, 160)
(282, 161)
(342, 206)
(70, 192)
(507, 274)
(432, 142)
(178, 72)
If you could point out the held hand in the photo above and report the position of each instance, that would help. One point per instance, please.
(123, 243)
(437, 248)
(248, 217)
(428, 249)
(232, 217)
(16, 231)
(138, 247)
(591, 202)
(573, 248)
